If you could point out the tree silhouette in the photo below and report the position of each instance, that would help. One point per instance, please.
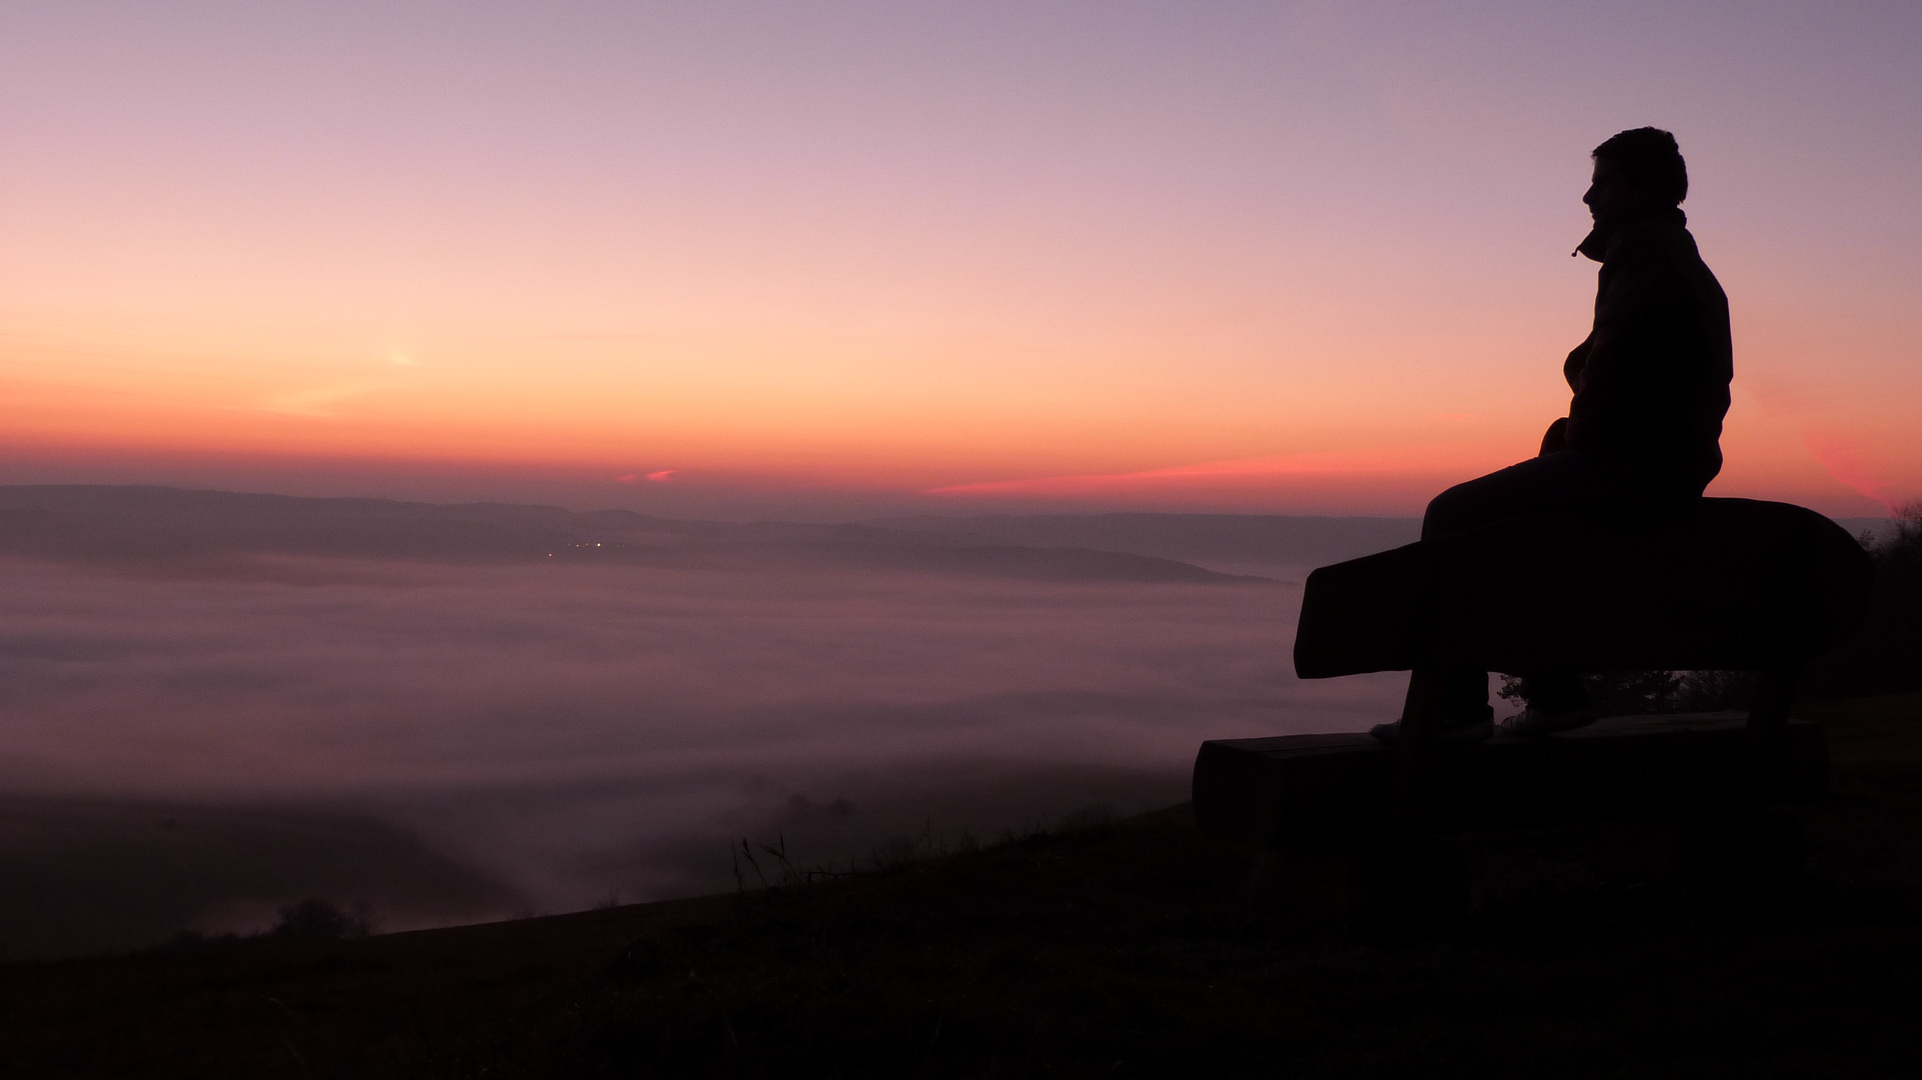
(1886, 656)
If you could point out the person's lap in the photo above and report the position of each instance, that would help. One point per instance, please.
(1551, 483)
(1560, 482)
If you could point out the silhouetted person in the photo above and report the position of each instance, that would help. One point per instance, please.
(1642, 435)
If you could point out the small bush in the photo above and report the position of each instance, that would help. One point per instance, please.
(1715, 691)
(1620, 693)
(1638, 693)
(1886, 656)
(321, 920)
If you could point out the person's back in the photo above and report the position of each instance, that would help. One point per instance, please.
(1651, 380)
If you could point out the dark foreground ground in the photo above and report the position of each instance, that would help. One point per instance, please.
(1127, 949)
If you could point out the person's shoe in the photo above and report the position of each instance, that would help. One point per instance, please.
(1476, 730)
(1533, 722)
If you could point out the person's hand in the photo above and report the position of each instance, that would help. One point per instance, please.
(1556, 438)
(1577, 362)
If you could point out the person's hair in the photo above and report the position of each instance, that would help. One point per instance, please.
(1647, 153)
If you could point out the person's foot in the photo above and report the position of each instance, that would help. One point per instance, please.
(1533, 722)
(1473, 730)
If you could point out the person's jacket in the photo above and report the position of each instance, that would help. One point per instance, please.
(1651, 381)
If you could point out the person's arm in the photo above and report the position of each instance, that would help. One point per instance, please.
(1556, 438)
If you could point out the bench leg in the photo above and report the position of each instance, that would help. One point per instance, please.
(1417, 713)
(1774, 694)
(1770, 769)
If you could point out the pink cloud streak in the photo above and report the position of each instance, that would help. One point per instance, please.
(1408, 465)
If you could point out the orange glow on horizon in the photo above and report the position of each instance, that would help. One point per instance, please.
(1256, 259)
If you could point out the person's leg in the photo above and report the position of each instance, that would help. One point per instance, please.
(1451, 698)
(1560, 481)
(1559, 700)
(1456, 699)
(1552, 702)
(1555, 691)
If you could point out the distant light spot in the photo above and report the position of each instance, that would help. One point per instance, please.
(661, 477)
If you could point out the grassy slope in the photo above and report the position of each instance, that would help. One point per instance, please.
(1120, 951)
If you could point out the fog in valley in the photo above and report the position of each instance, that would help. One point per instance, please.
(217, 704)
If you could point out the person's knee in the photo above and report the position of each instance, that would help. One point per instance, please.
(1532, 485)
(1446, 513)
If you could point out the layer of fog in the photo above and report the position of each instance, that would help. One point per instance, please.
(456, 742)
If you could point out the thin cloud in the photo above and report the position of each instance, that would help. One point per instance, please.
(1389, 461)
(320, 402)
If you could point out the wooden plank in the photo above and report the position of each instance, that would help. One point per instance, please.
(1340, 791)
(1732, 584)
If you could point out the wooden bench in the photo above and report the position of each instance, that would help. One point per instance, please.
(1732, 584)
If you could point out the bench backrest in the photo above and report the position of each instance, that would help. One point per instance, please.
(1729, 584)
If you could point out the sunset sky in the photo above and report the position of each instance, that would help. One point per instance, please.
(738, 258)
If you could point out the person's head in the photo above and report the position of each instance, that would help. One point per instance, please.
(1636, 172)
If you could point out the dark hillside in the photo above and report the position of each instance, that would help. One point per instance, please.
(1094, 950)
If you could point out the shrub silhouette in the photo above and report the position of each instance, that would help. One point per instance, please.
(1886, 656)
(321, 920)
(1621, 693)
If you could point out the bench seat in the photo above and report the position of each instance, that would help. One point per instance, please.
(1729, 585)
(1339, 792)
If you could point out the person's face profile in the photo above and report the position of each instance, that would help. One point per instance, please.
(1612, 196)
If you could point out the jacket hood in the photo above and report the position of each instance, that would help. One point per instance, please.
(1602, 237)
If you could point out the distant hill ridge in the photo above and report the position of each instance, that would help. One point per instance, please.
(1234, 538)
(153, 525)
(160, 528)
